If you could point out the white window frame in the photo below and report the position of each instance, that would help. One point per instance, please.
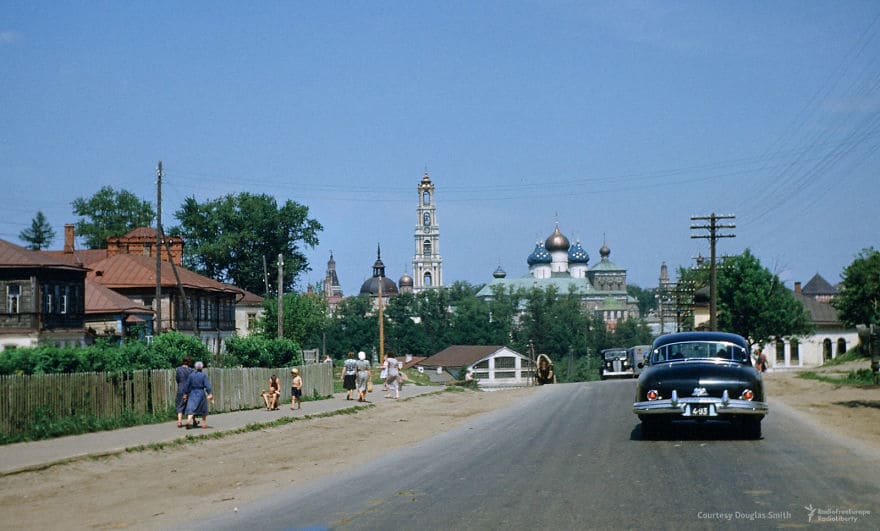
(13, 300)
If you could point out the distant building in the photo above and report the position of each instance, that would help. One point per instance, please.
(427, 264)
(493, 366)
(371, 286)
(831, 338)
(128, 267)
(557, 263)
(43, 299)
(332, 288)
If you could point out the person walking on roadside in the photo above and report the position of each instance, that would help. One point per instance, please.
(296, 389)
(363, 376)
(393, 379)
(349, 375)
(180, 376)
(197, 393)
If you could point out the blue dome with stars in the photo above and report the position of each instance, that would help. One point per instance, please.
(577, 254)
(539, 255)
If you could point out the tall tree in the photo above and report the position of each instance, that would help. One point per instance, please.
(110, 213)
(228, 238)
(753, 302)
(353, 327)
(304, 321)
(647, 301)
(39, 235)
(859, 299)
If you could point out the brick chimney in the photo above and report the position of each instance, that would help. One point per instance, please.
(797, 287)
(68, 238)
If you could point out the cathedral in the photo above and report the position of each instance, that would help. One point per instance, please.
(558, 263)
(427, 264)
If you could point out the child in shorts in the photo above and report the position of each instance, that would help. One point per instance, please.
(296, 389)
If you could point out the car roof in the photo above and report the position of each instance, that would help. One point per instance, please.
(684, 337)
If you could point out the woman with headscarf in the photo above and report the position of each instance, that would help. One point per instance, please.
(363, 376)
(197, 393)
(393, 378)
(180, 376)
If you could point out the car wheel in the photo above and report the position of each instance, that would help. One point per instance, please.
(751, 428)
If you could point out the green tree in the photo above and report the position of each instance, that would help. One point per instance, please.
(859, 299)
(753, 302)
(229, 238)
(39, 235)
(645, 297)
(353, 327)
(305, 319)
(110, 213)
(403, 335)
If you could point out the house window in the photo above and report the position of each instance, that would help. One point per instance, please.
(251, 321)
(62, 304)
(505, 362)
(482, 365)
(505, 374)
(49, 301)
(13, 298)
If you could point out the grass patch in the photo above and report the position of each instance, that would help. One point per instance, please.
(46, 425)
(854, 354)
(860, 377)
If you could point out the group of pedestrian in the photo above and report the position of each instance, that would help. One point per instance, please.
(357, 376)
(193, 393)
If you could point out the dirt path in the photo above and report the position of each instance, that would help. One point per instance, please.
(158, 489)
(151, 489)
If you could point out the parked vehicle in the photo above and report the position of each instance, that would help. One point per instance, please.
(637, 357)
(700, 376)
(615, 364)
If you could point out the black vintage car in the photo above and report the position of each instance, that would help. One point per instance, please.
(700, 376)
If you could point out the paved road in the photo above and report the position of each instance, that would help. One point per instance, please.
(571, 457)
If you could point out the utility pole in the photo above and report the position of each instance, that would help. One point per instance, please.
(280, 295)
(381, 321)
(157, 328)
(713, 227)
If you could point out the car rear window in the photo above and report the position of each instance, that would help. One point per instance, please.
(699, 350)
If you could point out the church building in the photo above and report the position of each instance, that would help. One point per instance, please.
(427, 265)
(558, 263)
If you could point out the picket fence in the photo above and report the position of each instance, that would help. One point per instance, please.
(24, 398)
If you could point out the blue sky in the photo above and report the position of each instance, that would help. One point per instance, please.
(619, 120)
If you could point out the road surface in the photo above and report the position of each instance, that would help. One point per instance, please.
(571, 457)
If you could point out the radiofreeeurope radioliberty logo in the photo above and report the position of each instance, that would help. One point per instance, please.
(816, 515)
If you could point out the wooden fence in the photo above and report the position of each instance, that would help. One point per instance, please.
(23, 399)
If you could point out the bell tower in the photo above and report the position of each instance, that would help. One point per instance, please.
(427, 265)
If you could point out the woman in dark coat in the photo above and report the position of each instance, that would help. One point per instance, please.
(197, 393)
(180, 376)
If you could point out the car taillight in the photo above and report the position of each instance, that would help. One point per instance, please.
(653, 395)
(747, 395)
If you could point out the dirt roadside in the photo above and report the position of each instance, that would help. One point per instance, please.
(159, 489)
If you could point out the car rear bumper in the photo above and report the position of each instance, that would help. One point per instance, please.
(691, 407)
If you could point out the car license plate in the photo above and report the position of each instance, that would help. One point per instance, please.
(700, 411)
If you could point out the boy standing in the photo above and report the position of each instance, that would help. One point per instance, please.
(296, 389)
